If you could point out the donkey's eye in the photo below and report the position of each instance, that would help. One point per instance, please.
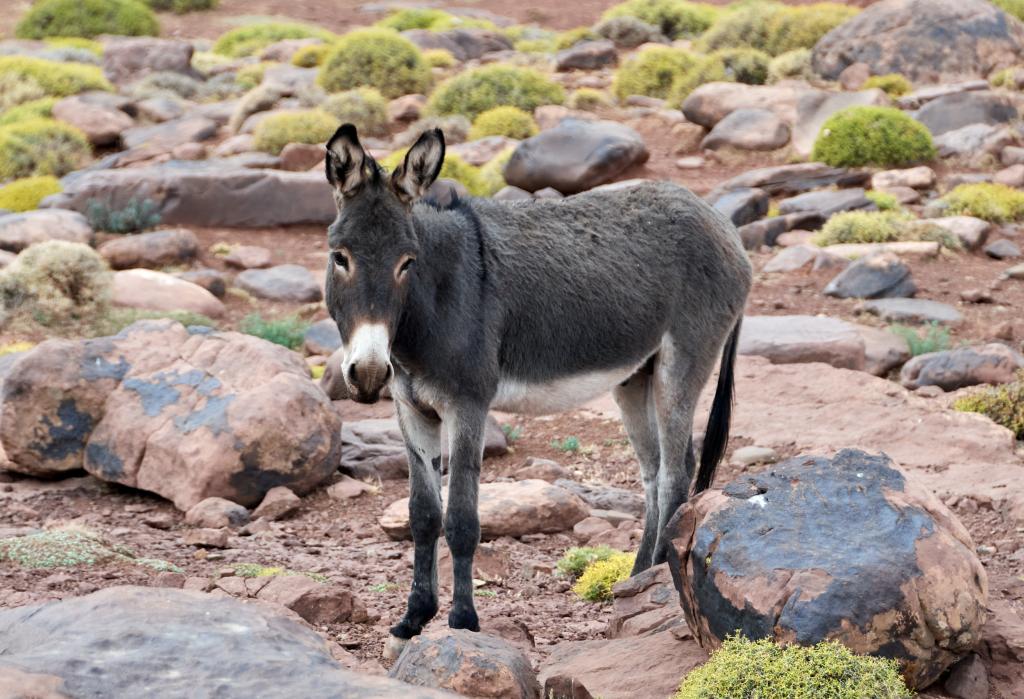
(340, 259)
(405, 266)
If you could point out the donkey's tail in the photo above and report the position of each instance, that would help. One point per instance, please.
(716, 436)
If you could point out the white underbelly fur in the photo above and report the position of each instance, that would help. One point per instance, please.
(557, 395)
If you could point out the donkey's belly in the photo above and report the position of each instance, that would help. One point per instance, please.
(557, 395)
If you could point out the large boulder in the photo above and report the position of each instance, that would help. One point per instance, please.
(928, 41)
(126, 59)
(963, 366)
(182, 413)
(800, 339)
(154, 641)
(18, 231)
(843, 549)
(575, 156)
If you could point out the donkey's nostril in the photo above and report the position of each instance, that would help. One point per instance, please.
(388, 372)
(352, 374)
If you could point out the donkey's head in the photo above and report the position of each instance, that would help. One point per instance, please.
(373, 247)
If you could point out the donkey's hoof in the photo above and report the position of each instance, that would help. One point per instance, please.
(463, 619)
(394, 647)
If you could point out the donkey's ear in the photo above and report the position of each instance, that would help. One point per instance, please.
(422, 165)
(346, 161)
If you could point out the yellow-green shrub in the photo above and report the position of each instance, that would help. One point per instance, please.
(378, 58)
(310, 56)
(883, 200)
(250, 76)
(535, 45)
(998, 203)
(15, 90)
(651, 72)
(364, 106)
(15, 347)
(54, 78)
(76, 42)
(41, 147)
(87, 18)
(707, 69)
(595, 585)
(503, 121)
(867, 135)
(439, 58)
(1004, 404)
(571, 37)
(892, 84)
(773, 27)
(588, 99)
(276, 131)
(743, 669)
(57, 281)
(677, 19)
(1012, 7)
(253, 38)
(745, 65)
(576, 559)
(1010, 78)
(480, 89)
(880, 227)
(36, 109)
(791, 65)
(25, 194)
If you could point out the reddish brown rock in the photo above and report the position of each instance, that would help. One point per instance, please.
(152, 250)
(278, 503)
(645, 603)
(207, 538)
(543, 469)
(149, 290)
(102, 125)
(217, 513)
(318, 603)
(299, 157)
(249, 257)
(964, 366)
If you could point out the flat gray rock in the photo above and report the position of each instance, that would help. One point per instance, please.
(826, 202)
(292, 283)
(322, 337)
(962, 109)
(748, 129)
(914, 311)
(18, 231)
(798, 339)
(743, 206)
(963, 366)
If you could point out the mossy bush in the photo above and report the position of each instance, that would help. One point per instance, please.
(310, 56)
(36, 109)
(55, 79)
(87, 18)
(69, 547)
(276, 131)
(993, 202)
(180, 7)
(480, 89)
(512, 122)
(880, 227)
(571, 37)
(588, 99)
(364, 106)
(745, 65)
(25, 194)
(867, 135)
(439, 58)
(76, 42)
(250, 39)
(595, 585)
(892, 84)
(773, 27)
(576, 559)
(287, 332)
(1011, 7)
(1003, 404)
(677, 19)
(707, 69)
(375, 57)
(57, 281)
(742, 669)
(651, 72)
(41, 147)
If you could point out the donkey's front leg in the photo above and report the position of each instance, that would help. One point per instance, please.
(462, 523)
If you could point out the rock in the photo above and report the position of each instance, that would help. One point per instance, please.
(464, 44)
(575, 156)
(921, 177)
(101, 125)
(289, 282)
(1003, 249)
(694, 162)
(217, 513)
(278, 503)
(186, 416)
(909, 585)
(510, 193)
(406, 108)
(249, 257)
(974, 140)
(18, 231)
(189, 151)
(6, 258)
(970, 231)
(1015, 272)
(883, 350)
(781, 180)
(606, 497)
(968, 678)
(210, 279)
(150, 290)
(151, 250)
(916, 248)
(748, 129)
(712, 102)
(543, 469)
(587, 55)
(913, 311)
(825, 203)
(964, 366)
(347, 488)
(644, 604)
(233, 145)
(767, 231)
(373, 448)
(160, 109)
(1012, 176)
(961, 109)
(128, 59)
(322, 338)
(923, 95)
(1003, 649)
(506, 509)
(318, 603)
(742, 206)
(629, 32)
(1012, 155)
(746, 456)
(299, 157)
(282, 51)
(800, 339)
(205, 194)
(928, 41)
(548, 116)
(799, 257)
(471, 664)
(206, 538)
(587, 528)
(146, 142)
(854, 76)
(815, 108)
(882, 275)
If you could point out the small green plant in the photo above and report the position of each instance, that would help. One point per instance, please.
(256, 570)
(136, 216)
(576, 559)
(883, 200)
(651, 72)
(310, 56)
(250, 39)
(56, 281)
(41, 147)
(480, 89)
(931, 338)
(248, 77)
(866, 135)
(180, 7)
(588, 99)
(998, 203)
(277, 130)
(512, 433)
(595, 585)
(34, 109)
(892, 84)
(378, 58)
(881, 227)
(677, 19)
(484, 593)
(439, 58)
(569, 444)
(54, 79)
(742, 669)
(384, 587)
(791, 65)
(86, 18)
(287, 332)
(25, 194)
(1011, 78)
(745, 65)
(503, 121)
(364, 106)
(1003, 404)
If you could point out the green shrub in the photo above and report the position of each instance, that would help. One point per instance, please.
(287, 332)
(364, 106)
(651, 72)
(180, 7)
(503, 121)
(492, 173)
(36, 109)
(57, 281)
(535, 45)
(576, 559)
(931, 338)
(250, 76)
(707, 69)
(1011, 7)
(883, 200)
(429, 18)
(253, 38)
(54, 78)
(773, 27)
(881, 136)
(76, 42)
(792, 65)
(16, 90)
(276, 131)
(162, 82)
(1004, 404)
(880, 227)
(746, 25)
(439, 58)
(255, 570)
(677, 19)
(136, 216)
(595, 585)
(892, 84)
(570, 444)
(588, 99)
(997, 203)
(25, 194)
(41, 147)
(87, 18)
(480, 89)
(744, 65)
(310, 56)
(571, 37)
(742, 669)
(377, 58)
(1010, 78)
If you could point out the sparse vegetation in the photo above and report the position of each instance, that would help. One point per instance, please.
(588, 99)
(705, 70)
(744, 65)
(480, 89)
(163, 82)
(998, 203)
(364, 106)
(773, 27)
(375, 57)
(677, 19)
(53, 79)
(595, 584)
(892, 84)
(55, 282)
(255, 570)
(64, 548)
(1003, 404)
(930, 338)
(439, 58)
(1011, 78)
(276, 131)
(25, 194)
(248, 77)
(136, 216)
(503, 121)
(287, 332)
(883, 200)
(570, 444)
(76, 42)
(652, 72)
(429, 18)
(571, 37)
(87, 18)
(310, 56)
(881, 136)
(791, 65)
(575, 560)
(880, 227)
(250, 39)
(512, 433)
(41, 147)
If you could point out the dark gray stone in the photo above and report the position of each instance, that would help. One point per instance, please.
(322, 337)
(913, 311)
(292, 283)
(963, 366)
(748, 129)
(586, 55)
(606, 497)
(742, 206)
(464, 44)
(210, 279)
(881, 275)
(826, 202)
(1003, 249)
(630, 32)
(965, 108)
(779, 180)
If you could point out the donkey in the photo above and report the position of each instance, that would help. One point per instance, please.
(530, 307)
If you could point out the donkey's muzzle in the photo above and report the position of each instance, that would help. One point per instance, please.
(366, 379)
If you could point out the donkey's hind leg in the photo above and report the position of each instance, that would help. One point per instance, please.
(636, 401)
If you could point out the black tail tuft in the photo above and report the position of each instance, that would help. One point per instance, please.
(716, 436)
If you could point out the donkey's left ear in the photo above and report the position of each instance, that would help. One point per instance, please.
(346, 161)
(422, 165)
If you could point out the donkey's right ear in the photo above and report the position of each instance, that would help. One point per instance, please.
(346, 161)
(422, 165)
